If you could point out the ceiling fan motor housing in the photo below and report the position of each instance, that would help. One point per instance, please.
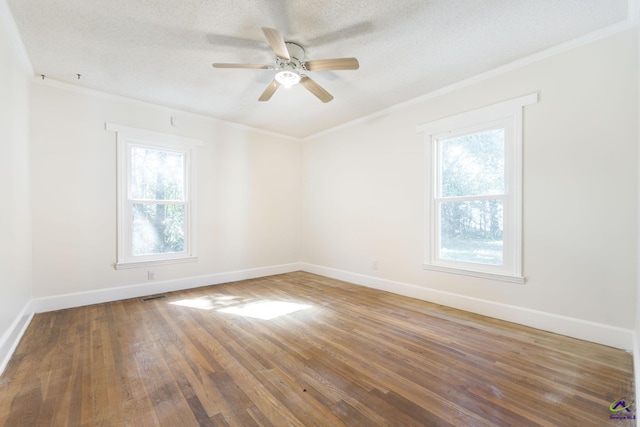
(296, 53)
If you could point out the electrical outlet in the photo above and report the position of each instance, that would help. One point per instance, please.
(151, 275)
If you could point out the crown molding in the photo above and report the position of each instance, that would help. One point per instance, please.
(632, 20)
(46, 81)
(603, 33)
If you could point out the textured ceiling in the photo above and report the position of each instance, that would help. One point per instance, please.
(161, 52)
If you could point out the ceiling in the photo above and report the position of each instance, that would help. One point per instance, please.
(161, 52)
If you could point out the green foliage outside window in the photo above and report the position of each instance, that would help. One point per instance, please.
(158, 188)
(471, 209)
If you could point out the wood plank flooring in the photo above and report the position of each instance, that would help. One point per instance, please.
(353, 357)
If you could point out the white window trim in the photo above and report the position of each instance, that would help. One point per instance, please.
(141, 137)
(509, 112)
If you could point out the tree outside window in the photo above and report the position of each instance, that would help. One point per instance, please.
(470, 198)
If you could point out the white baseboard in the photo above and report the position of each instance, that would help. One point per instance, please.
(9, 341)
(599, 333)
(60, 302)
(577, 328)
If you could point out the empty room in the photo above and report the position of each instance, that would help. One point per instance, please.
(329, 213)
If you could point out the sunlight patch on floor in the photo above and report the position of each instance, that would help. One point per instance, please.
(207, 302)
(262, 309)
(265, 309)
(201, 303)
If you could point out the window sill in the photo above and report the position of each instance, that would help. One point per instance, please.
(150, 263)
(473, 273)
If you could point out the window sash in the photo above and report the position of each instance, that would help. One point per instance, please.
(439, 240)
(185, 170)
(169, 253)
(440, 140)
(439, 250)
(128, 249)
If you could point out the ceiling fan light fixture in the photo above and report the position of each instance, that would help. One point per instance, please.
(287, 78)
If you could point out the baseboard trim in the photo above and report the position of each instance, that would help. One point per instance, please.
(11, 338)
(576, 328)
(599, 333)
(60, 302)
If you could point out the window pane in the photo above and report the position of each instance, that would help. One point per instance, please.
(472, 231)
(157, 228)
(156, 174)
(473, 164)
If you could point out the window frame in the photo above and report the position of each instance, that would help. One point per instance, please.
(131, 137)
(507, 115)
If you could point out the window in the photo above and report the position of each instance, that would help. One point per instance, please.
(474, 192)
(156, 192)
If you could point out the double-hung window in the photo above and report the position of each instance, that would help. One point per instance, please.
(474, 192)
(156, 222)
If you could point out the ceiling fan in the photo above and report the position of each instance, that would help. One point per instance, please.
(291, 67)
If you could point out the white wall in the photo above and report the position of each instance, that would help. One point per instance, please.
(248, 193)
(15, 229)
(364, 190)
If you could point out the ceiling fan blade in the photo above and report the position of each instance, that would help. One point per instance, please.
(316, 89)
(256, 66)
(277, 42)
(332, 64)
(269, 91)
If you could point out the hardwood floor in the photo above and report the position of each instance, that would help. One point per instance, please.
(353, 357)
